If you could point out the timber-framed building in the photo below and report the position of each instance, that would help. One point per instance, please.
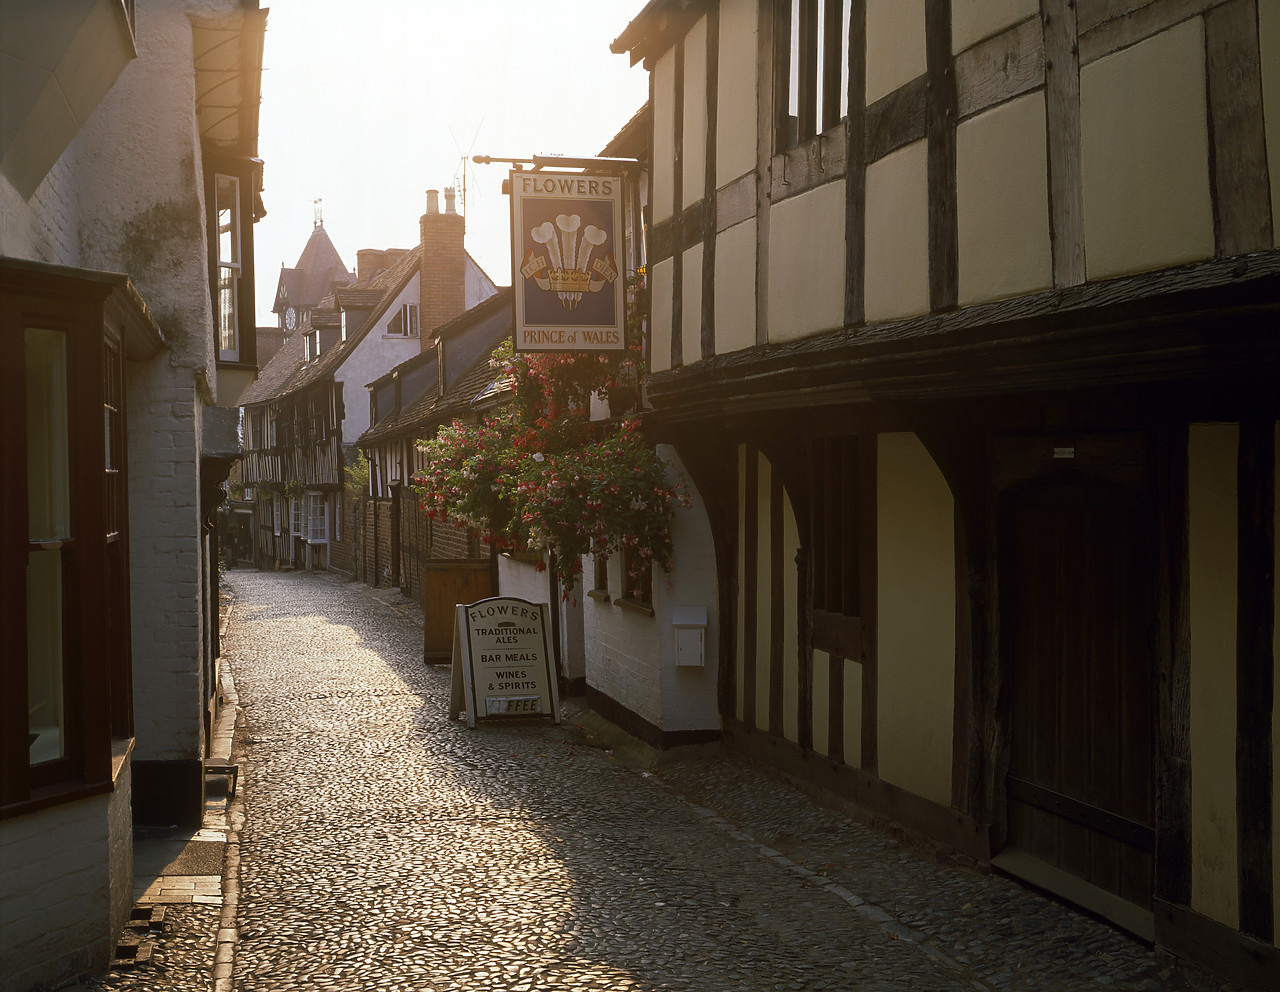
(964, 322)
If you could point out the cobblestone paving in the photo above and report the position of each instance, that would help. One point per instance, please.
(388, 847)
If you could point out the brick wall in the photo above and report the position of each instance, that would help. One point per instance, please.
(443, 273)
(55, 891)
(343, 552)
(165, 569)
(448, 540)
(415, 537)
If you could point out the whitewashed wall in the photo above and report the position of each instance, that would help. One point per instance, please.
(630, 656)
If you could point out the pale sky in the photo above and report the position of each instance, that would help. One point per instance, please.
(369, 105)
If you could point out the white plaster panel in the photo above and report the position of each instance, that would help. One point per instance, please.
(664, 129)
(694, 176)
(852, 713)
(1269, 46)
(791, 623)
(691, 305)
(975, 20)
(736, 90)
(895, 45)
(739, 674)
(735, 288)
(821, 707)
(1145, 155)
(660, 315)
(764, 590)
(915, 618)
(1003, 202)
(1212, 497)
(897, 234)
(806, 263)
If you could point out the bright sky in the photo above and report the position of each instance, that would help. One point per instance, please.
(369, 105)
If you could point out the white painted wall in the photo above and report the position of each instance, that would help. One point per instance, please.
(373, 357)
(630, 656)
(524, 581)
(477, 286)
(55, 896)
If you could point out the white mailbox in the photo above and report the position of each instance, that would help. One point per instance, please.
(690, 623)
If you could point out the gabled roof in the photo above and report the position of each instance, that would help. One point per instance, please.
(431, 407)
(656, 28)
(289, 372)
(633, 140)
(319, 269)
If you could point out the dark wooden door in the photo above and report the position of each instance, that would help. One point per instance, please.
(1077, 616)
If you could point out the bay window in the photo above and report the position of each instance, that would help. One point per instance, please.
(65, 678)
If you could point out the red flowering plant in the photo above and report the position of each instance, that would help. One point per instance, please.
(539, 473)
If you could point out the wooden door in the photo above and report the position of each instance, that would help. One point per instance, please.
(446, 582)
(1077, 620)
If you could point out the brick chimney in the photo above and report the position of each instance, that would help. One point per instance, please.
(368, 261)
(443, 263)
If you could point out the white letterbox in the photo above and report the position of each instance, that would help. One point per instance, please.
(690, 623)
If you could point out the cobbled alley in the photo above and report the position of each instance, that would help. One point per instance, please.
(385, 846)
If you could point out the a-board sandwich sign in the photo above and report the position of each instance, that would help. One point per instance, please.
(567, 242)
(502, 661)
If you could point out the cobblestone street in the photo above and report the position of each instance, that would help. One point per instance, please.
(388, 847)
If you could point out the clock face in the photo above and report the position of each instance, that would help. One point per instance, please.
(290, 318)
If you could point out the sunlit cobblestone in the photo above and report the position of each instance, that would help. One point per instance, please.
(388, 847)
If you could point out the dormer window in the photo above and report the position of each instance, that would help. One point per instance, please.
(405, 322)
(312, 344)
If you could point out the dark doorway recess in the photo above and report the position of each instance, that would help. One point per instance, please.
(1077, 605)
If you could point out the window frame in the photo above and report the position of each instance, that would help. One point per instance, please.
(99, 331)
(246, 173)
(636, 595)
(405, 323)
(599, 576)
(229, 270)
(842, 539)
(811, 60)
(312, 501)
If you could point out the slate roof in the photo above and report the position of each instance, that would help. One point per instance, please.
(319, 268)
(289, 372)
(430, 407)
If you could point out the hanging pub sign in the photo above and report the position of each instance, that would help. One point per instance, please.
(502, 663)
(566, 252)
